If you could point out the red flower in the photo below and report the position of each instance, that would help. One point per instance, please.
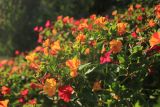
(106, 58)
(65, 92)
(24, 92)
(5, 90)
(134, 35)
(139, 18)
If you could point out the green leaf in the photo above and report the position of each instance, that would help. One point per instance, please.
(137, 104)
(121, 59)
(83, 66)
(90, 70)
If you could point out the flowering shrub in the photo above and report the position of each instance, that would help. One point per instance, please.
(88, 62)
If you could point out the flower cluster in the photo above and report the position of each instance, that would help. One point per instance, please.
(97, 61)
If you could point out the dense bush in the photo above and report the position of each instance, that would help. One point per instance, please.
(18, 18)
(96, 61)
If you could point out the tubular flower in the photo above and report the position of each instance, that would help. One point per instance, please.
(155, 39)
(73, 65)
(46, 43)
(151, 23)
(31, 57)
(157, 11)
(24, 92)
(87, 51)
(4, 103)
(97, 86)
(82, 26)
(54, 32)
(100, 21)
(80, 37)
(131, 8)
(121, 28)
(115, 46)
(65, 92)
(106, 58)
(56, 46)
(50, 87)
(5, 90)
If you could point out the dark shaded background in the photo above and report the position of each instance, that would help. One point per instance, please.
(19, 17)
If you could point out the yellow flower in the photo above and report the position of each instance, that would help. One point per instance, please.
(121, 28)
(4, 103)
(115, 46)
(50, 87)
(73, 64)
(155, 39)
(97, 86)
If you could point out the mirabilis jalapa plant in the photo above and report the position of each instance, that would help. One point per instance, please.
(96, 61)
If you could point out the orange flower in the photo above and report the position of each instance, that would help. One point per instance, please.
(50, 87)
(80, 37)
(87, 51)
(46, 51)
(4, 103)
(34, 66)
(73, 65)
(115, 46)
(56, 46)
(138, 6)
(100, 21)
(82, 26)
(157, 11)
(97, 86)
(31, 57)
(54, 32)
(103, 49)
(46, 43)
(114, 12)
(155, 39)
(151, 23)
(121, 28)
(130, 8)
(138, 30)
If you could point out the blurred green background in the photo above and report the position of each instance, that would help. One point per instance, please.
(19, 17)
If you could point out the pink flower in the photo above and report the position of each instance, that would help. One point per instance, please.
(36, 28)
(40, 28)
(106, 58)
(21, 100)
(134, 35)
(17, 52)
(48, 23)
(65, 92)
